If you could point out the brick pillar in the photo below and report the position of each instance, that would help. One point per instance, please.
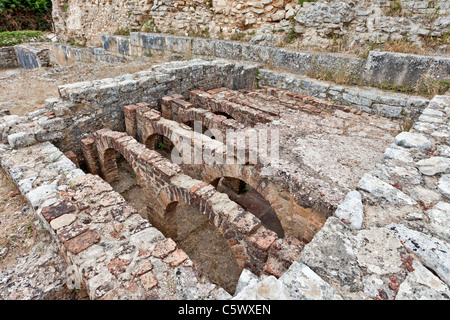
(108, 165)
(181, 104)
(90, 155)
(130, 119)
(166, 108)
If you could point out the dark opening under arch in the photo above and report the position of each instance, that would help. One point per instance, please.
(226, 115)
(161, 144)
(251, 200)
(203, 243)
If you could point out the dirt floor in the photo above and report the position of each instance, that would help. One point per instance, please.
(25, 90)
(197, 236)
(19, 228)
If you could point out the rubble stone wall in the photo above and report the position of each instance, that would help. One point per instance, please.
(110, 250)
(380, 70)
(8, 58)
(314, 24)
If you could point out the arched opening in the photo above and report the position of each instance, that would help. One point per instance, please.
(203, 243)
(161, 144)
(126, 184)
(251, 200)
(226, 115)
(199, 127)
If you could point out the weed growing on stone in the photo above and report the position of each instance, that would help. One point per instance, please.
(395, 8)
(406, 125)
(11, 38)
(122, 32)
(301, 2)
(407, 261)
(394, 285)
(429, 86)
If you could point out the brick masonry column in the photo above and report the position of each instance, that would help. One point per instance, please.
(90, 155)
(130, 119)
(166, 108)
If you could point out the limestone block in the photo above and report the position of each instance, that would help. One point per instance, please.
(254, 53)
(434, 165)
(351, 210)
(398, 153)
(31, 56)
(269, 288)
(35, 196)
(301, 283)
(422, 284)
(444, 185)
(433, 252)
(21, 139)
(440, 219)
(152, 41)
(229, 50)
(204, 47)
(178, 44)
(412, 140)
(297, 62)
(383, 190)
(395, 68)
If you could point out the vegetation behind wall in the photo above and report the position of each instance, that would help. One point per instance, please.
(25, 15)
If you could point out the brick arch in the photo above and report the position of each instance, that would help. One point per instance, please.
(165, 185)
(296, 220)
(249, 175)
(234, 224)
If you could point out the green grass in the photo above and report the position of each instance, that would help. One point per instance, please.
(11, 38)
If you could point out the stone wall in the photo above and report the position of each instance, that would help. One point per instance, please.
(31, 56)
(8, 58)
(387, 70)
(110, 250)
(85, 107)
(66, 55)
(328, 25)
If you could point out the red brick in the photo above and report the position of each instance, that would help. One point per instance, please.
(163, 248)
(130, 110)
(117, 266)
(263, 238)
(82, 241)
(142, 268)
(199, 186)
(57, 209)
(176, 258)
(148, 280)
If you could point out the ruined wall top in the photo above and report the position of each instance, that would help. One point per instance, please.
(342, 25)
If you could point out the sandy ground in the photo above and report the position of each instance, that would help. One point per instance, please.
(19, 229)
(25, 90)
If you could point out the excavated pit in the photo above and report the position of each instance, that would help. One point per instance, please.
(324, 150)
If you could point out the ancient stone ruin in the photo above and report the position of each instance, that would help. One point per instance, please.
(147, 194)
